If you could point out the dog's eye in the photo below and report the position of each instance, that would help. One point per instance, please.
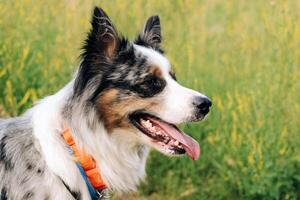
(152, 82)
(151, 86)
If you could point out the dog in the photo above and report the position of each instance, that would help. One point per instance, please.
(123, 101)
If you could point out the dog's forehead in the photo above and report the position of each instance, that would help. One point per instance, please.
(154, 58)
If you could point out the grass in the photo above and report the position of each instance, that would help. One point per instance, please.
(245, 55)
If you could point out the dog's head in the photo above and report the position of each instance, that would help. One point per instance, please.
(132, 87)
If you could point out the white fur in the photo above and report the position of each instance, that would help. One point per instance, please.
(121, 159)
(48, 126)
(177, 102)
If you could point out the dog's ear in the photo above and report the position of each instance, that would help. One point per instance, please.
(103, 38)
(151, 34)
(100, 48)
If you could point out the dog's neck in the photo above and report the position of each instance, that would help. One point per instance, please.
(120, 158)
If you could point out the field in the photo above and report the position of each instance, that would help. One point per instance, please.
(245, 55)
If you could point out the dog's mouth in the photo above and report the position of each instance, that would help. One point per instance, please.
(165, 137)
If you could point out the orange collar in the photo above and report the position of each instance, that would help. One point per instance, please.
(86, 161)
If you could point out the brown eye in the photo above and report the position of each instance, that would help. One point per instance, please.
(151, 86)
(153, 82)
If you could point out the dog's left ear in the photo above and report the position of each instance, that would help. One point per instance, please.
(151, 34)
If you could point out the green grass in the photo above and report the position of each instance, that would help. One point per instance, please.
(245, 55)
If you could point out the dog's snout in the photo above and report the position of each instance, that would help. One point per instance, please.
(202, 104)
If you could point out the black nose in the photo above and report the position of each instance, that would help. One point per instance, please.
(202, 104)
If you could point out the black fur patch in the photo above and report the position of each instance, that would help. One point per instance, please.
(3, 195)
(29, 166)
(40, 171)
(172, 74)
(8, 165)
(76, 195)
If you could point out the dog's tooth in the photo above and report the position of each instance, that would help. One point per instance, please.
(144, 123)
(166, 140)
(148, 124)
(176, 142)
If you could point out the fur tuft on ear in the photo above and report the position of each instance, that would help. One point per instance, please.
(103, 38)
(151, 34)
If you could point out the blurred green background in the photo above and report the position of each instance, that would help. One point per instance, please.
(244, 55)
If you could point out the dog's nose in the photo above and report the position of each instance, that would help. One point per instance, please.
(202, 104)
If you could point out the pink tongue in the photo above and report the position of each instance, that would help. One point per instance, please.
(190, 145)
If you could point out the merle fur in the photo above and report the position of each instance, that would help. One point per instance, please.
(21, 164)
(4, 157)
(112, 70)
(107, 60)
